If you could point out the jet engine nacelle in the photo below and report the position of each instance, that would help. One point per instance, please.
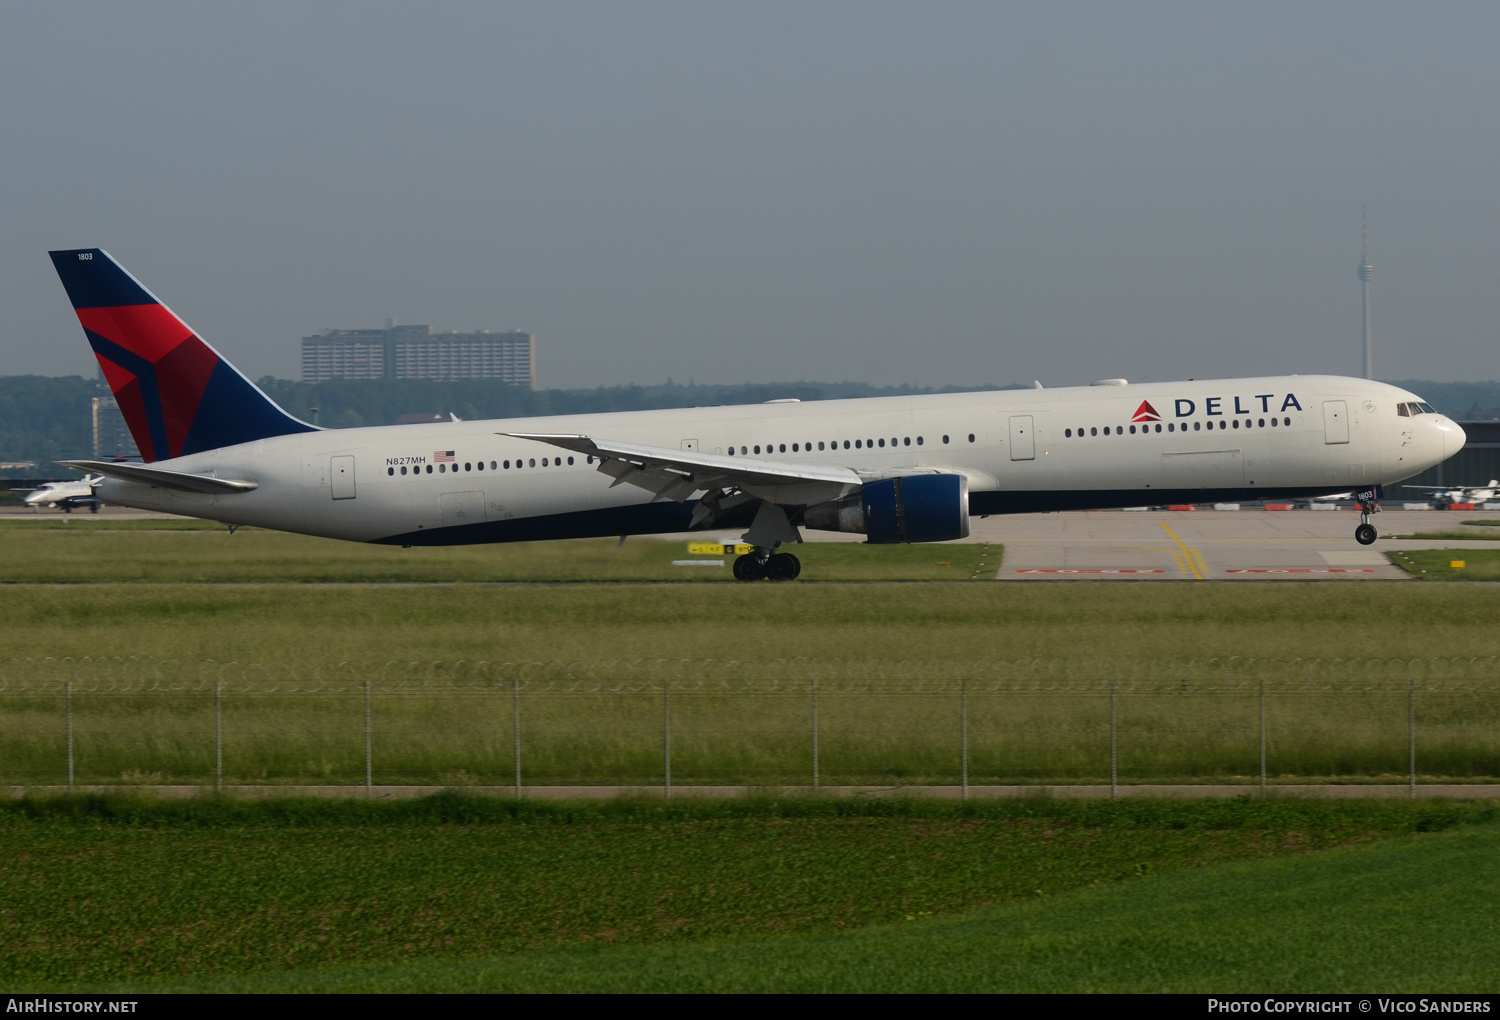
(910, 508)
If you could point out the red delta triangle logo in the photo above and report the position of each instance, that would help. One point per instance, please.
(1146, 412)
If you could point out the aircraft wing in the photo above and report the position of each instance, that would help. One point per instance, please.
(677, 474)
(183, 481)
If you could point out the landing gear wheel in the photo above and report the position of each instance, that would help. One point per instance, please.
(749, 568)
(783, 567)
(1365, 534)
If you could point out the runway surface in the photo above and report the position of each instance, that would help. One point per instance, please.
(1250, 544)
(1205, 544)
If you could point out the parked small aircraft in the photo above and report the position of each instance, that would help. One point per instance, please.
(1461, 493)
(66, 496)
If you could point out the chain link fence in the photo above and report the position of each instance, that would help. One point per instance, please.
(749, 722)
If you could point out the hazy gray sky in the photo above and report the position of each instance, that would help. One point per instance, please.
(929, 193)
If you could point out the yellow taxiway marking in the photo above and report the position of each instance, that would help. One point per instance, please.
(1195, 564)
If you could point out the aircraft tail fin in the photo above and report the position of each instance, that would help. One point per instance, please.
(176, 393)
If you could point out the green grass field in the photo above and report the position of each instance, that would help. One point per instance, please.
(134, 895)
(1436, 564)
(897, 620)
(1400, 916)
(869, 734)
(95, 549)
(1462, 536)
(866, 737)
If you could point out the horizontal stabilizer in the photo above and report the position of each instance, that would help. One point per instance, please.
(143, 474)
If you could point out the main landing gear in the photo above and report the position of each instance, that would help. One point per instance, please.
(760, 565)
(1365, 534)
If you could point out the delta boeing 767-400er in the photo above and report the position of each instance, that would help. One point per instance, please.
(895, 469)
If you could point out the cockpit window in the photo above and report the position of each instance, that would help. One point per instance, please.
(1426, 408)
(1403, 410)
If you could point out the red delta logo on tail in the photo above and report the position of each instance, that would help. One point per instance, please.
(1146, 412)
(157, 370)
(175, 392)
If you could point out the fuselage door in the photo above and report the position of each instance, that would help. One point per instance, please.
(341, 474)
(1335, 422)
(1022, 439)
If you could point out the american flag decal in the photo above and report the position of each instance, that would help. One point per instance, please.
(442, 456)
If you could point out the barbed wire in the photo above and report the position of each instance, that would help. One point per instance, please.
(126, 676)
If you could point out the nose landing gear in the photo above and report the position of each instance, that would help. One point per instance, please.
(758, 565)
(1365, 534)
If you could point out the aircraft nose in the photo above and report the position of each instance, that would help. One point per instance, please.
(1454, 439)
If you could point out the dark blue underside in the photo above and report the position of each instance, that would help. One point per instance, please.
(667, 517)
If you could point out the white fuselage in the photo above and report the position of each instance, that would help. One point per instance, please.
(1022, 450)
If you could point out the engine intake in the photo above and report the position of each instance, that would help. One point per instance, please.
(910, 508)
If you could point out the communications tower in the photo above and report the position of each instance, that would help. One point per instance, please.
(1365, 272)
